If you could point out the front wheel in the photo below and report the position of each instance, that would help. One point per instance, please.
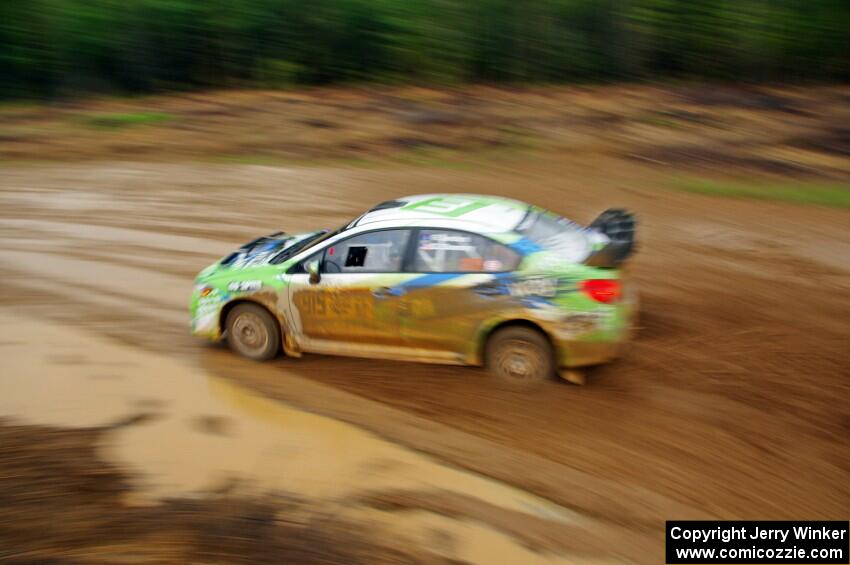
(253, 332)
(520, 356)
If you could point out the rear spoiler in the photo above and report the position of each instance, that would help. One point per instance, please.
(619, 226)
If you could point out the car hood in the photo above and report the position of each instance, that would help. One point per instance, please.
(273, 248)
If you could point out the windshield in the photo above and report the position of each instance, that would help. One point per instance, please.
(296, 246)
(555, 233)
(308, 243)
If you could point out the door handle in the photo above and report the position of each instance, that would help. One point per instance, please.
(386, 291)
(488, 290)
(381, 292)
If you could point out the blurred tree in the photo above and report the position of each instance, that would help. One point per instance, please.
(54, 47)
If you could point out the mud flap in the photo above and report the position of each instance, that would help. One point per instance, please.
(573, 376)
(290, 347)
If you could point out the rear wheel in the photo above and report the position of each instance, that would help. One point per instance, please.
(253, 332)
(520, 356)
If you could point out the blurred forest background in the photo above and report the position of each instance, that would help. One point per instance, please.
(52, 48)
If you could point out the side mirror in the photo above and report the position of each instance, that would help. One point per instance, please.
(313, 271)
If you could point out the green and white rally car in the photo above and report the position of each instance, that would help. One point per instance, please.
(443, 278)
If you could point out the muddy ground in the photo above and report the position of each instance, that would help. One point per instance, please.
(799, 131)
(731, 403)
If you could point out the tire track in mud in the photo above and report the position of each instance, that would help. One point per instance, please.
(76, 234)
(138, 328)
(261, 377)
(548, 537)
(86, 297)
(162, 458)
(733, 399)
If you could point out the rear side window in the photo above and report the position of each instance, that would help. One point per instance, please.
(557, 234)
(373, 252)
(449, 251)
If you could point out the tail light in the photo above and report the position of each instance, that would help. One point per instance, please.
(606, 291)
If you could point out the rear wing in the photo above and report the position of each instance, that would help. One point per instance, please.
(619, 227)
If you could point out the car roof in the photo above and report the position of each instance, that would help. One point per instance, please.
(475, 212)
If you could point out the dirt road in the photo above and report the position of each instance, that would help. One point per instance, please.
(732, 403)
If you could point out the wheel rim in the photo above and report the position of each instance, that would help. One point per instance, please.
(250, 333)
(519, 360)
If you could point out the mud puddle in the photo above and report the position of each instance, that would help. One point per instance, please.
(181, 433)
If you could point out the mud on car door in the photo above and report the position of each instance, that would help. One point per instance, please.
(451, 297)
(355, 300)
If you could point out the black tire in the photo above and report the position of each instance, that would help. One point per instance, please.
(253, 332)
(520, 356)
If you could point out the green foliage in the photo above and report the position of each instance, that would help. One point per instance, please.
(118, 121)
(824, 194)
(53, 47)
(275, 73)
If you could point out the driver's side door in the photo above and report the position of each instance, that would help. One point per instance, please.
(355, 304)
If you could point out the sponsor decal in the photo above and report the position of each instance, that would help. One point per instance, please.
(535, 286)
(574, 325)
(205, 318)
(337, 305)
(419, 308)
(446, 242)
(451, 206)
(584, 322)
(209, 303)
(244, 286)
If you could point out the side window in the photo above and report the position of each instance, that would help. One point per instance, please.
(447, 251)
(301, 267)
(373, 252)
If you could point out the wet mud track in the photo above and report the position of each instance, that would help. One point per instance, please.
(732, 403)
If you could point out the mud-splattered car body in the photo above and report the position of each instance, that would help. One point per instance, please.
(429, 278)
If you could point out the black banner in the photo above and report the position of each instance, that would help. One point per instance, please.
(694, 542)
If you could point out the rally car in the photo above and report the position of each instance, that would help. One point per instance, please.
(442, 278)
